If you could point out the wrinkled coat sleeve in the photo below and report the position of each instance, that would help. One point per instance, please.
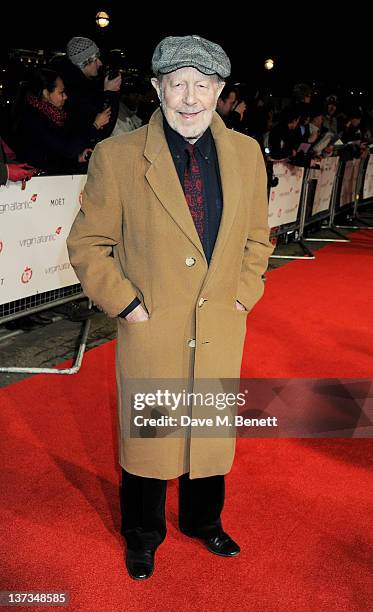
(258, 247)
(96, 230)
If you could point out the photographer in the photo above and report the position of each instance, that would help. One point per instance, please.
(93, 101)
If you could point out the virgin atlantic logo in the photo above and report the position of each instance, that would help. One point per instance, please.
(58, 230)
(1, 245)
(26, 275)
(34, 197)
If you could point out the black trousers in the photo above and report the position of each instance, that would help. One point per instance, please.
(143, 500)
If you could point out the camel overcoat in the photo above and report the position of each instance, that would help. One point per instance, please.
(135, 237)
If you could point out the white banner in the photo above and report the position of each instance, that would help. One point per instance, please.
(368, 180)
(34, 225)
(349, 182)
(284, 199)
(325, 181)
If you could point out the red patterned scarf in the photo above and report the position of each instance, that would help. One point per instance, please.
(57, 115)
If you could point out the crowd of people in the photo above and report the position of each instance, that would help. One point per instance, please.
(62, 111)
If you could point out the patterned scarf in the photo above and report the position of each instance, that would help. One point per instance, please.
(57, 115)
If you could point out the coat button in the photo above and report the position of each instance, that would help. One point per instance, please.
(190, 261)
(192, 343)
(201, 301)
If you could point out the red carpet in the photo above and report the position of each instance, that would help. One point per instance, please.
(301, 509)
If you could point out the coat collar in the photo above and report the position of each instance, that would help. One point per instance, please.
(163, 180)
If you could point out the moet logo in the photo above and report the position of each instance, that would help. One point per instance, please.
(26, 275)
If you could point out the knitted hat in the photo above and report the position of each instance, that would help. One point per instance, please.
(176, 52)
(80, 50)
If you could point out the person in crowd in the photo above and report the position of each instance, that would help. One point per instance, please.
(351, 131)
(330, 115)
(302, 92)
(181, 203)
(230, 108)
(41, 136)
(316, 129)
(128, 120)
(367, 123)
(10, 169)
(93, 101)
(284, 138)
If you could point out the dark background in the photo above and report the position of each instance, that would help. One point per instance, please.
(311, 43)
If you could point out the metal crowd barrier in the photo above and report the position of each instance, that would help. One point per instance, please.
(34, 224)
(348, 186)
(294, 207)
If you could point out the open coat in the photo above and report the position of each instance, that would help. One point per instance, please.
(135, 237)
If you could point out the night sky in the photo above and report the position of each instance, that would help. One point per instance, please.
(322, 46)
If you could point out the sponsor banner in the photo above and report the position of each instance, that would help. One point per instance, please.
(251, 408)
(34, 225)
(284, 199)
(325, 181)
(349, 182)
(368, 180)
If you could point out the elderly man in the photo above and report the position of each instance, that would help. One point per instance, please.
(172, 239)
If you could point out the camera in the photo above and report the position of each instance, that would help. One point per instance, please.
(112, 72)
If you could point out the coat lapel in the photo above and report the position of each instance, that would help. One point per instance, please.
(164, 181)
(231, 185)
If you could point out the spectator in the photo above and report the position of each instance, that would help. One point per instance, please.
(367, 123)
(284, 138)
(10, 169)
(330, 116)
(230, 108)
(351, 129)
(316, 124)
(93, 102)
(302, 93)
(41, 136)
(128, 120)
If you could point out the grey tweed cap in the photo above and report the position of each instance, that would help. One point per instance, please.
(174, 52)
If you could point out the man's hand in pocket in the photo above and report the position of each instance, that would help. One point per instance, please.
(137, 315)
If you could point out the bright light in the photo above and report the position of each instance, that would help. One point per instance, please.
(268, 64)
(102, 19)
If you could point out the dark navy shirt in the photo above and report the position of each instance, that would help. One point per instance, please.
(207, 158)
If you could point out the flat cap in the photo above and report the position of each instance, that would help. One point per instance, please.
(174, 52)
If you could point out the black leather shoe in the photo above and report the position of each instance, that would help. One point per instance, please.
(140, 563)
(222, 545)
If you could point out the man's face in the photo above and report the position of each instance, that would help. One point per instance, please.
(188, 100)
(226, 106)
(92, 67)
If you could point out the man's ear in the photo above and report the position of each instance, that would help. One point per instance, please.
(157, 86)
(220, 87)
